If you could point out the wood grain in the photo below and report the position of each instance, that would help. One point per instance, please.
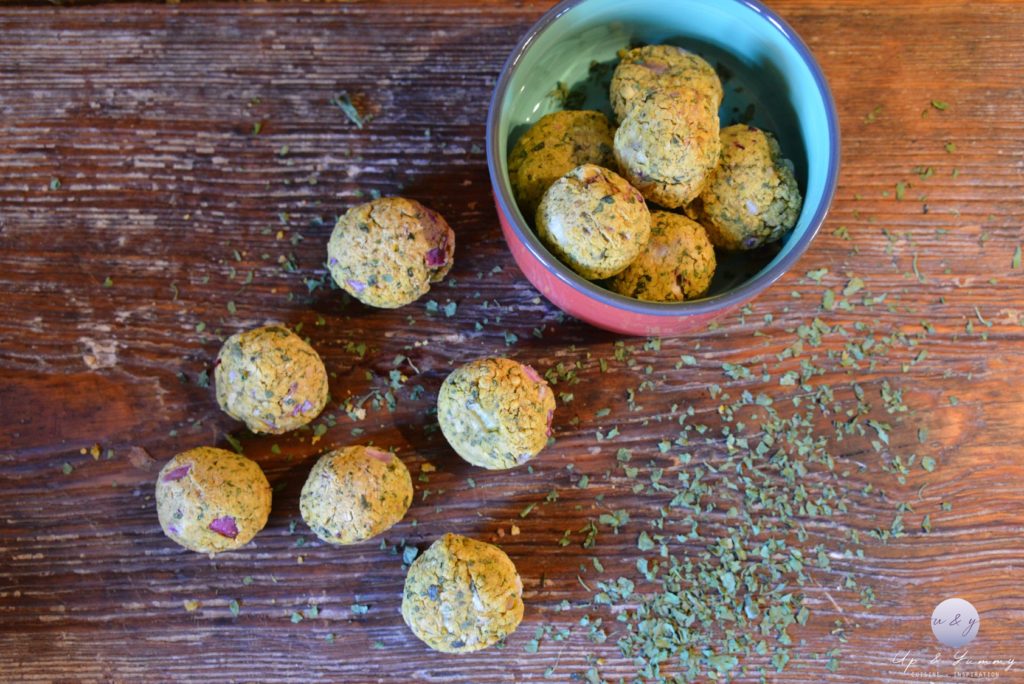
(145, 115)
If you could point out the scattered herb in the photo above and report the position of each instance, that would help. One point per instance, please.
(917, 271)
(409, 554)
(344, 103)
(854, 286)
(817, 274)
(233, 441)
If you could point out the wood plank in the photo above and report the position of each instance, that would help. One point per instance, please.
(145, 114)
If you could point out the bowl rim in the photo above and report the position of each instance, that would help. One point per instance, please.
(708, 305)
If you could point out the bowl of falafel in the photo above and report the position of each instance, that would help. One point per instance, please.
(658, 163)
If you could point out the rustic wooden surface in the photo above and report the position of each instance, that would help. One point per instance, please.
(145, 114)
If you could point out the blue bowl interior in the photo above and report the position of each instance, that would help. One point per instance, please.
(768, 78)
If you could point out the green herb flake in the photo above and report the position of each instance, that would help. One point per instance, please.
(343, 102)
(409, 554)
(235, 444)
(1015, 262)
(817, 274)
(901, 190)
(359, 608)
(940, 105)
(296, 617)
(917, 271)
(108, 282)
(234, 607)
(55, 183)
(928, 463)
(67, 468)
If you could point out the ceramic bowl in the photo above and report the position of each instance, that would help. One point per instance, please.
(770, 79)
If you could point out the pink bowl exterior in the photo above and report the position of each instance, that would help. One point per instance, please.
(592, 311)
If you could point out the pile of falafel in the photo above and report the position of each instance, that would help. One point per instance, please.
(641, 208)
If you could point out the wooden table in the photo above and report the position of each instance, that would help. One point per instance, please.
(169, 175)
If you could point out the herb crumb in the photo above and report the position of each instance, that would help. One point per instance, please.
(343, 102)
